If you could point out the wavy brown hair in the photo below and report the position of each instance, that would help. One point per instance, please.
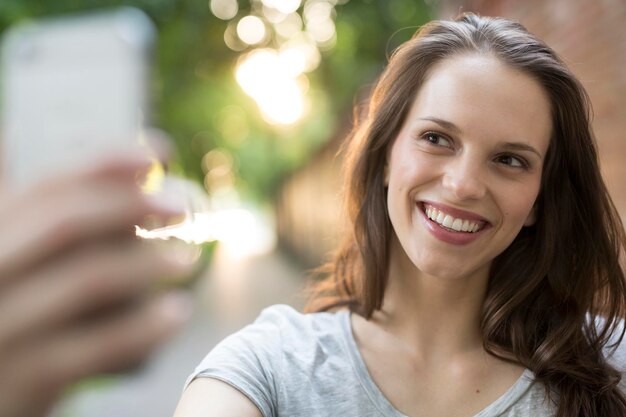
(557, 275)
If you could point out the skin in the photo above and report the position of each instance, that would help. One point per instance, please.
(424, 348)
(75, 283)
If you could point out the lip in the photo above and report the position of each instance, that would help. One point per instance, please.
(448, 236)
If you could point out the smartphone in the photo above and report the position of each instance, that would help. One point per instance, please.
(76, 87)
(73, 87)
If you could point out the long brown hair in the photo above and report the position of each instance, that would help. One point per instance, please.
(546, 289)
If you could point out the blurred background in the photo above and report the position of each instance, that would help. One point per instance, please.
(257, 96)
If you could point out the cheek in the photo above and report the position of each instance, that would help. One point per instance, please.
(517, 206)
(405, 180)
(410, 168)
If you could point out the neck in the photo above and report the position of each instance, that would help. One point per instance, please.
(432, 316)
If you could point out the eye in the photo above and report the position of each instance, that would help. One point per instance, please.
(512, 161)
(436, 139)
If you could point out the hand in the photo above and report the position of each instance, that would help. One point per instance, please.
(75, 282)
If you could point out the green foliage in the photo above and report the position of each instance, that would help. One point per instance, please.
(198, 101)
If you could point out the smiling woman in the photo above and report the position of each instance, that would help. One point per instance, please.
(481, 275)
(459, 163)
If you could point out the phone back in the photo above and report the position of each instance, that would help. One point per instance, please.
(73, 88)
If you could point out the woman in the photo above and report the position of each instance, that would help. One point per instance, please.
(482, 274)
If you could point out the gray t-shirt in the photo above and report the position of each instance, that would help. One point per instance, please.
(294, 364)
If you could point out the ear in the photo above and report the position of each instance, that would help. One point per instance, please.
(532, 217)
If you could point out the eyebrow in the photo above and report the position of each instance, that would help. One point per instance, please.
(516, 146)
(443, 123)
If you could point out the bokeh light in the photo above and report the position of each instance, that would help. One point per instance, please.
(224, 9)
(323, 32)
(317, 11)
(272, 15)
(218, 167)
(308, 48)
(284, 6)
(293, 60)
(290, 26)
(318, 17)
(297, 31)
(251, 30)
(232, 122)
(232, 40)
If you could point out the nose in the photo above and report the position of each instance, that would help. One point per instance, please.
(464, 179)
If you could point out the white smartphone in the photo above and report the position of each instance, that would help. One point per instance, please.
(73, 87)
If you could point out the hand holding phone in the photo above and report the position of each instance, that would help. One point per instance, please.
(76, 286)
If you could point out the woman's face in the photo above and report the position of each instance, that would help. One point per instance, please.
(464, 172)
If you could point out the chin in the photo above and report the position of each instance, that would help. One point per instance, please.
(448, 269)
(444, 272)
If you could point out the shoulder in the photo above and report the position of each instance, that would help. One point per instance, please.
(285, 321)
(275, 323)
(288, 322)
(278, 331)
(279, 352)
(282, 315)
(261, 339)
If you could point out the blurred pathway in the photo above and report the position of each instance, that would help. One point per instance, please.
(228, 296)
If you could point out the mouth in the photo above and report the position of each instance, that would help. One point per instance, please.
(453, 220)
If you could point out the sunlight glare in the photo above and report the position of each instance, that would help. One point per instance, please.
(293, 59)
(194, 229)
(242, 232)
(271, 82)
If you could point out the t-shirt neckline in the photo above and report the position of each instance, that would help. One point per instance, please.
(510, 397)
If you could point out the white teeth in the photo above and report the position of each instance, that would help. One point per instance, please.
(450, 222)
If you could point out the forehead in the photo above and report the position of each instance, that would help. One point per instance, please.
(486, 98)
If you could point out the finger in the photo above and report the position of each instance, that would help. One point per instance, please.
(22, 398)
(116, 343)
(88, 280)
(34, 376)
(73, 215)
(121, 168)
